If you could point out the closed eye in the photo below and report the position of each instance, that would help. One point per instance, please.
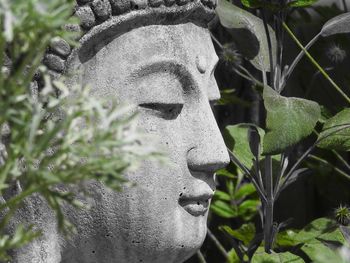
(167, 111)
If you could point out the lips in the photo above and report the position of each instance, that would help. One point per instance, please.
(196, 205)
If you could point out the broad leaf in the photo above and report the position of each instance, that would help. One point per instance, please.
(337, 25)
(236, 138)
(285, 257)
(345, 230)
(233, 257)
(288, 120)
(334, 135)
(321, 227)
(301, 3)
(245, 233)
(249, 34)
(286, 238)
(244, 191)
(248, 209)
(321, 238)
(252, 3)
(223, 209)
(220, 195)
(319, 252)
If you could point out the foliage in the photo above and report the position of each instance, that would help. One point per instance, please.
(296, 117)
(53, 135)
(254, 45)
(288, 121)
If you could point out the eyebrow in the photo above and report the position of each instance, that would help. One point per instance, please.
(171, 66)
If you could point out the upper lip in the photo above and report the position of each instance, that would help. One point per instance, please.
(195, 197)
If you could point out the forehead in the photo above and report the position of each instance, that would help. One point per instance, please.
(147, 50)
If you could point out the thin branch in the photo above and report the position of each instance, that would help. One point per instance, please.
(217, 244)
(314, 62)
(245, 170)
(345, 6)
(295, 166)
(269, 46)
(299, 57)
(200, 256)
(216, 41)
(341, 172)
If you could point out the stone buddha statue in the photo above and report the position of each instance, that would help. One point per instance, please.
(158, 55)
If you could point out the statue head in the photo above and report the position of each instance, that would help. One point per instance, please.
(158, 55)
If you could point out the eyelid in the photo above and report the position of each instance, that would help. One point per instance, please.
(167, 111)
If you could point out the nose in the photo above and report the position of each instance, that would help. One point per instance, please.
(208, 152)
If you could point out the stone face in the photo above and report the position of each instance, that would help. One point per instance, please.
(168, 72)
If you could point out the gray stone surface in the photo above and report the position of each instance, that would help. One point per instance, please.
(167, 69)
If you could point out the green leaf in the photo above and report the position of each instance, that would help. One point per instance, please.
(244, 191)
(252, 3)
(301, 3)
(223, 209)
(320, 239)
(226, 173)
(245, 233)
(248, 207)
(286, 238)
(320, 253)
(236, 138)
(233, 257)
(319, 227)
(249, 34)
(337, 25)
(333, 135)
(285, 257)
(220, 195)
(288, 120)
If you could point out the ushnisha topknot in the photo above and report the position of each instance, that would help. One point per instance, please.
(104, 19)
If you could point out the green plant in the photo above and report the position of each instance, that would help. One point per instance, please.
(262, 154)
(53, 136)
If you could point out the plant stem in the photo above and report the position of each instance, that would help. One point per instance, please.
(341, 172)
(245, 170)
(269, 46)
(345, 6)
(299, 57)
(268, 205)
(216, 41)
(218, 244)
(313, 61)
(339, 157)
(200, 256)
(295, 166)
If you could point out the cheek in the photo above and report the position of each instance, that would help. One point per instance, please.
(170, 136)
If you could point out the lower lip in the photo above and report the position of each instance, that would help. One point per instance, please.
(196, 208)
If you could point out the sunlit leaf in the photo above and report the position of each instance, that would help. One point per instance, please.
(337, 25)
(249, 34)
(301, 3)
(245, 233)
(283, 257)
(336, 132)
(223, 209)
(220, 195)
(236, 138)
(288, 120)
